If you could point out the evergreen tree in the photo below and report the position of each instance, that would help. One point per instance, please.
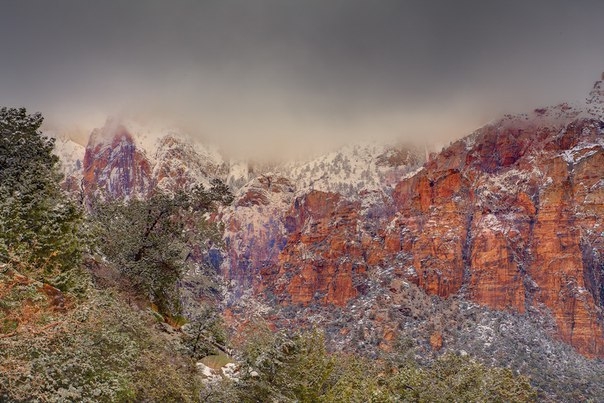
(298, 368)
(39, 225)
(151, 240)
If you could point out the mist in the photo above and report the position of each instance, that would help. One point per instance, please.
(286, 78)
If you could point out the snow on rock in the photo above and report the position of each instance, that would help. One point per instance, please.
(113, 165)
(228, 371)
(239, 174)
(70, 153)
(256, 218)
(176, 160)
(126, 159)
(178, 164)
(354, 168)
(582, 151)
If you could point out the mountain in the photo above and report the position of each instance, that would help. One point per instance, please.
(354, 168)
(114, 165)
(124, 159)
(368, 240)
(509, 218)
(178, 164)
(71, 155)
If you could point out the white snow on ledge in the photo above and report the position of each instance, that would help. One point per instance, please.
(582, 152)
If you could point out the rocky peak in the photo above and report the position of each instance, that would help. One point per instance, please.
(114, 166)
(124, 159)
(179, 164)
(106, 135)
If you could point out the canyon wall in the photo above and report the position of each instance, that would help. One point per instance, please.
(510, 218)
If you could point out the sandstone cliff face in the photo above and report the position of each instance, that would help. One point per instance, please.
(114, 166)
(302, 248)
(255, 230)
(323, 257)
(515, 227)
(510, 218)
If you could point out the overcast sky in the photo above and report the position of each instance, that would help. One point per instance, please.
(289, 76)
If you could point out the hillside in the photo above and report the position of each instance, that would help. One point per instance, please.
(114, 298)
(488, 244)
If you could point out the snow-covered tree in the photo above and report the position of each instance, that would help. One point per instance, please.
(150, 241)
(39, 225)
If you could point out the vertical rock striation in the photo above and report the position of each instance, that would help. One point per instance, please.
(113, 165)
(511, 217)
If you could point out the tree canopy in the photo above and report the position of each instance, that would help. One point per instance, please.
(151, 241)
(39, 225)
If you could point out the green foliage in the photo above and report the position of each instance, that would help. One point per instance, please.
(144, 240)
(205, 200)
(204, 335)
(151, 241)
(39, 225)
(100, 352)
(454, 378)
(23, 148)
(279, 367)
(298, 368)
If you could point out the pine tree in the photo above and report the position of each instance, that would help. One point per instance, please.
(39, 225)
(150, 240)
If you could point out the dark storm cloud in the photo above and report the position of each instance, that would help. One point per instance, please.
(280, 75)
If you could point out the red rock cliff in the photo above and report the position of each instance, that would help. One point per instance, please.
(514, 223)
(113, 165)
(510, 217)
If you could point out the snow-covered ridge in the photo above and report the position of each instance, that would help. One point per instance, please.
(69, 152)
(353, 168)
(595, 101)
(151, 139)
(558, 115)
(175, 156)
(179, 160)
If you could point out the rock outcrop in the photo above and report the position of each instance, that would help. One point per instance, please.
(179, 165)
(510, 223)
(256, 230)
(509, 217)
(113, 165)
(118, 164)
